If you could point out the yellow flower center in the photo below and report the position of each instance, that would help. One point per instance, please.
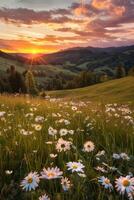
(30, 180)
(125, 182)
(51, 174)
(74, 166)
(107, 181)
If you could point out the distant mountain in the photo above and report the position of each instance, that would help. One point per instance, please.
(11, 56)
(75, 60)
(90, 54)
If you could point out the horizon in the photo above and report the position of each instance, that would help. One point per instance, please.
(46, 27)
(77, 47)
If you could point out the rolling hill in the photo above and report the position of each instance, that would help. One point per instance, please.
(81, 58)
(119, 90)
(71, 62)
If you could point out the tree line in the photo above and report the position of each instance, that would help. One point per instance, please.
(16, 82)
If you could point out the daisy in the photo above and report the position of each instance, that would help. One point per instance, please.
(124, 156)
(105, 182)
(75, 166)
(30, 182)
(89, 146)
(74, 108)
(52, 131)
(71, 132)
(44, 197)
(63, 132)
(53, 155)
(116, 156)
(39, 119)
(66, 184)
(124, 184)
(51, 173)
(38, 127)
(8, 172)
(63, 145)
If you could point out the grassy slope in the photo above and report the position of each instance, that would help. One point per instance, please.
(120, 90)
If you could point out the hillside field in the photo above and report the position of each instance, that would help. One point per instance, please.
(119, 90)
(61, 149)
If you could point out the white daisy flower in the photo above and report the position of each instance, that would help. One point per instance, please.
(44, 197)
(66, 184)
(89, 146)
(124, 156)
(39, 119)
(30, 182)
(8, 172)
(63, 132)
(52, 131)
(51, 173)
(53, 155)
(116, 156)
(124, 184)
(105, 182)
(75, 166)
(63, 145)
(37, 127)
(74, 108)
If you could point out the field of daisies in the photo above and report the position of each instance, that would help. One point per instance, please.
(55, 149)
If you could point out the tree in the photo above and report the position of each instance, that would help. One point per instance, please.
(120, 72)
(16, 80)
(30, 83)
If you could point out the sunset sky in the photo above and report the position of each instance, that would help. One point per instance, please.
(45, 26)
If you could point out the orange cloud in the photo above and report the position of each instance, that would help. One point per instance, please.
(101, 4)
(119, 10)
(80, 11)
(108, 5)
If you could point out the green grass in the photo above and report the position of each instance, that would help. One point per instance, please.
(109, 127)
(120, 90)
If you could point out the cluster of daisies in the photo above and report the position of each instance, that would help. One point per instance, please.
(61, 136)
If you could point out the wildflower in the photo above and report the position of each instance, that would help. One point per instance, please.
(51, 173)
(116, 156)
(52, 131)
(66, 184)
(82, 175)
(105, 182)
(124, 156)
(125, 184)
(53, 155)
(24, 132)
(30, 182)
(100, 153)
(63, 132)
(2, 113)
(38, 127)
(71, 132)
(39, 119)
(89, 146)
(63, 145)
(8, 172)
(101, 169)
(44, 197)
(75, 166)
(74, 108)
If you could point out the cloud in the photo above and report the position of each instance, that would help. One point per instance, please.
(29, 16)
(99, 22)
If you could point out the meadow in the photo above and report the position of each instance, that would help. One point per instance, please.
(61, 149)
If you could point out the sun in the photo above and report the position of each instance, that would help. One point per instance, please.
(34, 51)
(34, 54)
